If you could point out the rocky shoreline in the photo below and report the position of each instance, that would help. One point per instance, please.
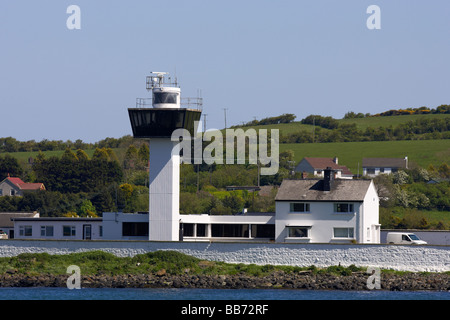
(280, 280)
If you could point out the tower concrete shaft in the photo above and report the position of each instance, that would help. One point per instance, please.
(164, 190)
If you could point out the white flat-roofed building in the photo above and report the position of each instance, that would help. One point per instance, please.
(125, 226)
(58, 228)
(247, 226)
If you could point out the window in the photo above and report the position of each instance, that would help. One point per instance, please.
(135, 229)
(263, 231)
(12, 192)
(370, 170)
(69, 231)
(26, 231)
(343, 233)
(343, 207)
(412, 236)
(298, 232)
(164, 97)
(100, 231)
(1, 192)
(201, 230)
(188, 229)
(46, 231)
(230, 230)
(299, 207)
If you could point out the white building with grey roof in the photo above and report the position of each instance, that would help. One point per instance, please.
(327, 210)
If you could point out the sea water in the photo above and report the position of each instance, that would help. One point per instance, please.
(212, 294)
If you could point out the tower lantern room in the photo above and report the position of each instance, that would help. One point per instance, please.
(156, 118)
(165, 94)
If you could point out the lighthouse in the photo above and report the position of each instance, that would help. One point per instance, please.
(155, 119)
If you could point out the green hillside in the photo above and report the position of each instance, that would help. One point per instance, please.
(421, 152)
(374, 122)
(361, 123)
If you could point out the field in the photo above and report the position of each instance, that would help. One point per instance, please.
(375, 122)
(361, 123)
(350, 154)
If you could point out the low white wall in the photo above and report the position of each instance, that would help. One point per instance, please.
(408, 258)
(433, 237)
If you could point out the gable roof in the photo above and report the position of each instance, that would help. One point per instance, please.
(384, 163)
(323, 163)
(5, 217)
(24, 185)
(312, 190)
(14, 180)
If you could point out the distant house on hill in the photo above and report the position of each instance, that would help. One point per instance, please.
(375, 166)
(13, 186)
(316, 166)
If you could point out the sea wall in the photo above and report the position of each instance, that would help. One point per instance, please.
(439, 237)
(398, 257)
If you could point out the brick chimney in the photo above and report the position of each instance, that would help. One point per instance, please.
(328, 179)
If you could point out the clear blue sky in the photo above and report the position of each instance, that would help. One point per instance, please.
(258, 58)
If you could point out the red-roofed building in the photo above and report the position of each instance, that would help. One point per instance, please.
(13, 186)
(316, 166)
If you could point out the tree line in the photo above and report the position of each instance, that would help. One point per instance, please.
(425, 129)
(284, 118)
(442, 109)
(77, 185)
(404, 196)
(10, 144)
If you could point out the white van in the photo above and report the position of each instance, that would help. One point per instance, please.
(403, 238)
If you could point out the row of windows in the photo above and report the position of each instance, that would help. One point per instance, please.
(306, 207)
(303, 232)
(48, 231)
(381, 170)
(229, 230)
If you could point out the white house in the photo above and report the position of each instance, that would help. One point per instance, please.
(58, 228)
(374, 166)
(327, 211)
(317, 166)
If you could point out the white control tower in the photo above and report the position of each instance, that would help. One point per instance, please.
(157, 124)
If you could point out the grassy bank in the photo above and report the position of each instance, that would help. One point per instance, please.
(159, 262)
(169, 269)
(167, 262)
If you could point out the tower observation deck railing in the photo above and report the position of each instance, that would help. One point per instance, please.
(188, 103)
